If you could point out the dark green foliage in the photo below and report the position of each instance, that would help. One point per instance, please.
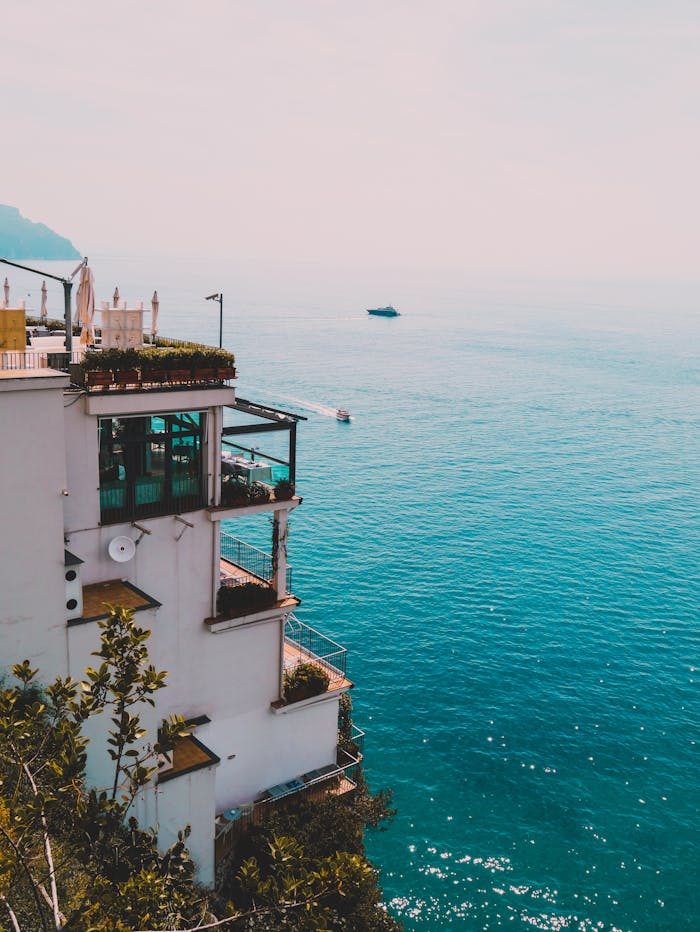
(284, 490)
(167, 359)
(258, 493)
(244, 599)
(304, 681)
(308, 840)
(68, 856)
(236, 491)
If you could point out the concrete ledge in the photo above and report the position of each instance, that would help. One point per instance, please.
(224, 512)
(158, 401)
(280, 708)
(275, 612)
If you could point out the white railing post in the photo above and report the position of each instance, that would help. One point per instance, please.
(279, 553)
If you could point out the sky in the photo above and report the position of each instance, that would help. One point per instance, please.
(523, 137)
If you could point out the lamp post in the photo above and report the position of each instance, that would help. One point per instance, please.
(218, 296)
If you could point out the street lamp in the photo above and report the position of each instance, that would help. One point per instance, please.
(218, 296)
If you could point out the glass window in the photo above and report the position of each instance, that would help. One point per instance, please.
(151, 465)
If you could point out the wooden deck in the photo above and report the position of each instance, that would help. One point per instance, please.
(97, 597)
(294, 655)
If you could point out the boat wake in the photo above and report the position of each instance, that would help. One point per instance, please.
(306, 405)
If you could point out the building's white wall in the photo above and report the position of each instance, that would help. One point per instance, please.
(189, 800)
(83, 504)
(32, 480)
(269, 749)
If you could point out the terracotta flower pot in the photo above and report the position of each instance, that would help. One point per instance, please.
(127, 377)
(180, 375)
(154, 376)
(99, 378)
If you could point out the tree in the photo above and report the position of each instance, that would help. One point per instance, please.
(70, 856)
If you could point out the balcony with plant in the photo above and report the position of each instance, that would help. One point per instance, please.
(153, 367)
(313, 664)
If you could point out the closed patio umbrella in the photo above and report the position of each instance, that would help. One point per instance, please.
(115, 298)
(85, 306)
(44, 313)
(155, 303)
(6, 289)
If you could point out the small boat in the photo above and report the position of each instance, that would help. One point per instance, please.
(383, 311)
(342, 414)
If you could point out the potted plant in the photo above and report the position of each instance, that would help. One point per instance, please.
(284, 490)
(245, 599)
(234, 491)
(305, 681)
(97, 378)
(258, 493)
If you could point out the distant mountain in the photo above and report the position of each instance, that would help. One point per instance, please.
(23, 239)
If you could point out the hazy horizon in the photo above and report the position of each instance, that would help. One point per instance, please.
(533, 140)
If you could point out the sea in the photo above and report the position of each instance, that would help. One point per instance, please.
(505, 538)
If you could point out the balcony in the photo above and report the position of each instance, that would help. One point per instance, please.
(241, 563)
(153, 368)
(304, 645)
(39, 359)
(249, 477)
(252, 480)
(332, 780)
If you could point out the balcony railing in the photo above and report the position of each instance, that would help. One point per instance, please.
(148, 496)
(254, 561)
(38, 359)
(304, 644)
(335, 779)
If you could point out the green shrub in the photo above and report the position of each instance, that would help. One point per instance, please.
(258, 493)
(284, 490)
(304, 681)
(244, 599)
(234, 491)
(168, 358)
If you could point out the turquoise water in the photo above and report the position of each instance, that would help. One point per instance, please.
(506, 539)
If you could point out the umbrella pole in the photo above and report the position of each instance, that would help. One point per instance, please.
(67, 286)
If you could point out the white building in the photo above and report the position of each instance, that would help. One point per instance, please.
(116, 495)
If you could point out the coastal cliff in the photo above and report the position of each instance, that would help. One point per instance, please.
(21, 238)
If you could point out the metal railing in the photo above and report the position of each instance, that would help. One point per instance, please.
(38, 359)
(310, 646)
(147, 497)
(254, 561)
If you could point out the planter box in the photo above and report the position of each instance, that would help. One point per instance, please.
(205, 375)
(180, 375)
(127, 377)
(227, 372)
(154, 376)
(99, 379)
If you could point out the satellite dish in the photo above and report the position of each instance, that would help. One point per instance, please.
(121, 549)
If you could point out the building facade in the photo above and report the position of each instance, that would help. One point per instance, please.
(128, 493)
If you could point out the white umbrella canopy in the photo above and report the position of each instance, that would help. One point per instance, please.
(6, 289)
(155, 304)
(85, 306)
(44, 309)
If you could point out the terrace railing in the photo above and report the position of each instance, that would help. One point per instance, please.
(38, 359)
(312, 646)
(249, 558)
